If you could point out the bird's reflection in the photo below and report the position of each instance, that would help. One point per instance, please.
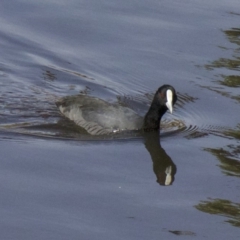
(163, 166)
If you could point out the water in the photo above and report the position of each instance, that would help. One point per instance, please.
(57, 182)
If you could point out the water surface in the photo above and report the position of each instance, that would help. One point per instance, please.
(57, 182)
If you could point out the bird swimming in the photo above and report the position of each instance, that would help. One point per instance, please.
(99, 117)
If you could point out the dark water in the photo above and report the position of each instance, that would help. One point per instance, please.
(57, 182)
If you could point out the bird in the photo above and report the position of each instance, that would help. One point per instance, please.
(99, 117)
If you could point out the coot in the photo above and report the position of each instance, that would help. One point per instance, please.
(99, 117)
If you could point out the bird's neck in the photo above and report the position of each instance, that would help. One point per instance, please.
(153, 117)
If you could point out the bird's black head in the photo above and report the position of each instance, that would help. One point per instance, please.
(166, 96)
(164, 99)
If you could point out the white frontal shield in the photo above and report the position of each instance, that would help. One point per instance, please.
(169, 102)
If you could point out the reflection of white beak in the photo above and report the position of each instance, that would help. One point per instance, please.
(168, 172)
(169, 100)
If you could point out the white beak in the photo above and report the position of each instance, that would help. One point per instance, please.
(169, 100)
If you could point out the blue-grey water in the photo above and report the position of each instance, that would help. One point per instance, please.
(57, 182)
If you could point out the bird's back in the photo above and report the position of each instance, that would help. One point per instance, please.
(97, 116)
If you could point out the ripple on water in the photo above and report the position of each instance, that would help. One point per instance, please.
(196, 122)
(69, 131)
(34, 119)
